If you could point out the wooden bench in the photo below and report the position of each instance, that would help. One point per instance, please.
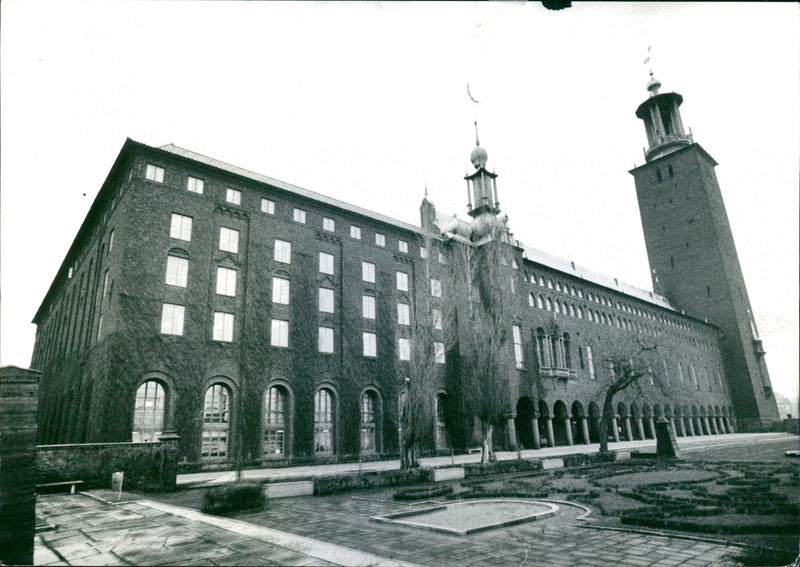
(70, 483)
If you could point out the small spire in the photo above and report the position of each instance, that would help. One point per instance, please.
(477, 141)
(426, 191)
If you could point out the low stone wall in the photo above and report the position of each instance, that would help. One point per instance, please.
(147, 466)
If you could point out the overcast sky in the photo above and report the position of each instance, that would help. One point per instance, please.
(367, 102)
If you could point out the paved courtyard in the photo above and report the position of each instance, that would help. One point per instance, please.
(336, 530)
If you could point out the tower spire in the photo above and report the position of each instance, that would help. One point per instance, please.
(662, 121)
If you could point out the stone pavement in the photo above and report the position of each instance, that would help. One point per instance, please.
(688, 444)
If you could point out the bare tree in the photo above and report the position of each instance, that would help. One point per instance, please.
(480, 324)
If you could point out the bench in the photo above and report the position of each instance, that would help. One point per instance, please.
(70, 483)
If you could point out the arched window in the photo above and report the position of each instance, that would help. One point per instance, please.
(148, 413)
(557, 306)
(567, 355)
(540, 302)
(580, 312)
(323, 422)
(549, 304)
(368, 404)
(571, 310)
(216, 422)
(275, 420)
(557, 354)
(531, 301)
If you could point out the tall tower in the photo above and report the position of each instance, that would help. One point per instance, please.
(481, 183)
(692, 255)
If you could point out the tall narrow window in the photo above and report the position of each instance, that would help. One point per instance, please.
(280, 333)
(518, 352)
(223, 327)
(325, 300)
(542, 349)
(403, 314)
(325, 340)
(172, 319)
(280, 291)
(567, 353)
(195, 185)
(370, 348)
(436, 288)
(323, 422)
(180, 228)
(177, 271)
(228, 240)
(438, 353)
(283, 252)
(404, 349)
(326, 263)
(441, 430)
(436, 314)
(402, 281)
(368, 306)
(368, 272)
(226, 282)
(368, 403)
(590, 362)
(148, 413)
(216, 422)
(275, 422)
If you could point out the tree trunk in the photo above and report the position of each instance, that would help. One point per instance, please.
(408, 455)
(487, 453)
(608, 413)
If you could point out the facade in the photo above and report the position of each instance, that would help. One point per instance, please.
(257, 318)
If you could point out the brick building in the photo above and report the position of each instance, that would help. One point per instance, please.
(246, 313)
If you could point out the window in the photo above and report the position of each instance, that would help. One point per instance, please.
(177, 272)
(328, 224)
(105, 282)
(693, 375)
(323, 422)
(268, 206)
(402, 246)
(403, 314)
(436, 288)
(368, 306)
(380, 239)
(437, 318)
(148, 412)
(216, 422)
(542, 349)
(275, 421)
(280, 290)
(368, 272)
(111, 236)
(438, 352)
(233, 196)
(567, 353)
(172, 319)
(226, 282)
(195, 185)
(180, 228)
(540, 302)
(549, 304)
(442, 258)
(325, 340)
(223, 327)
(369, 344)
(441, 429)
(556, 306)
(325, 300)
(155, 173)
(590, 361)
(280, 333)
(404, 349)
(355, 232)
(368, 403)
(326, 263)
(531, 300)
(402, 281)
(423, 252)
(299, 215)
(100, 327)
(518, 353)
(228, 240)
(513, 285)
(580, 312)
(283, 252)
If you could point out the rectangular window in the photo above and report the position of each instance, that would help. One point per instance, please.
(180, 227)
(268, 206)
(423, 252)
(326, 300)
(403, 314)
(325, 339)
(177, 272)
(590, 362)
(299, 215)
(228, 240)
(355, 232)
(368, 306)
(368, 272)
(105, 283)
(437, 318)
(233, 196)
(223, 327)
(436, 288)
(172, 319)
(326, 263)
(380, 239)
(369, 344)
(280, 291)
(155, 173)
(195, 185)
(100, 328)
(111, 236)
(513, 285)
(402, 246)
(404, 349)
(518, 353)
(402, 281)
(442, 258)
(283, 252)
(438, 352)
(226, 282)
(280, 333)
(328, 224)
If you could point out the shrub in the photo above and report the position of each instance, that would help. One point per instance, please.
(231, 497)
(374, 479)
(422, 492)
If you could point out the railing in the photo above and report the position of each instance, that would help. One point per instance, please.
(563, 373)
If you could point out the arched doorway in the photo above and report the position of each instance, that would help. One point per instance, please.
(545, 425)
(560, 424)
(524, 422)
(594, 422)
(581, 432)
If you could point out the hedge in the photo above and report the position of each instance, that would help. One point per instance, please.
(232, 497)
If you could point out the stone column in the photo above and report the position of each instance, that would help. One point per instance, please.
(550, 437)
(721, 425)
(626, 423)
(511, 433)
(614, 429)
(585, 430)
(537, 442)
(568, 427)
(652, 427)
(698, 426)
(712, 421)
(640, 427)
(691, 426)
